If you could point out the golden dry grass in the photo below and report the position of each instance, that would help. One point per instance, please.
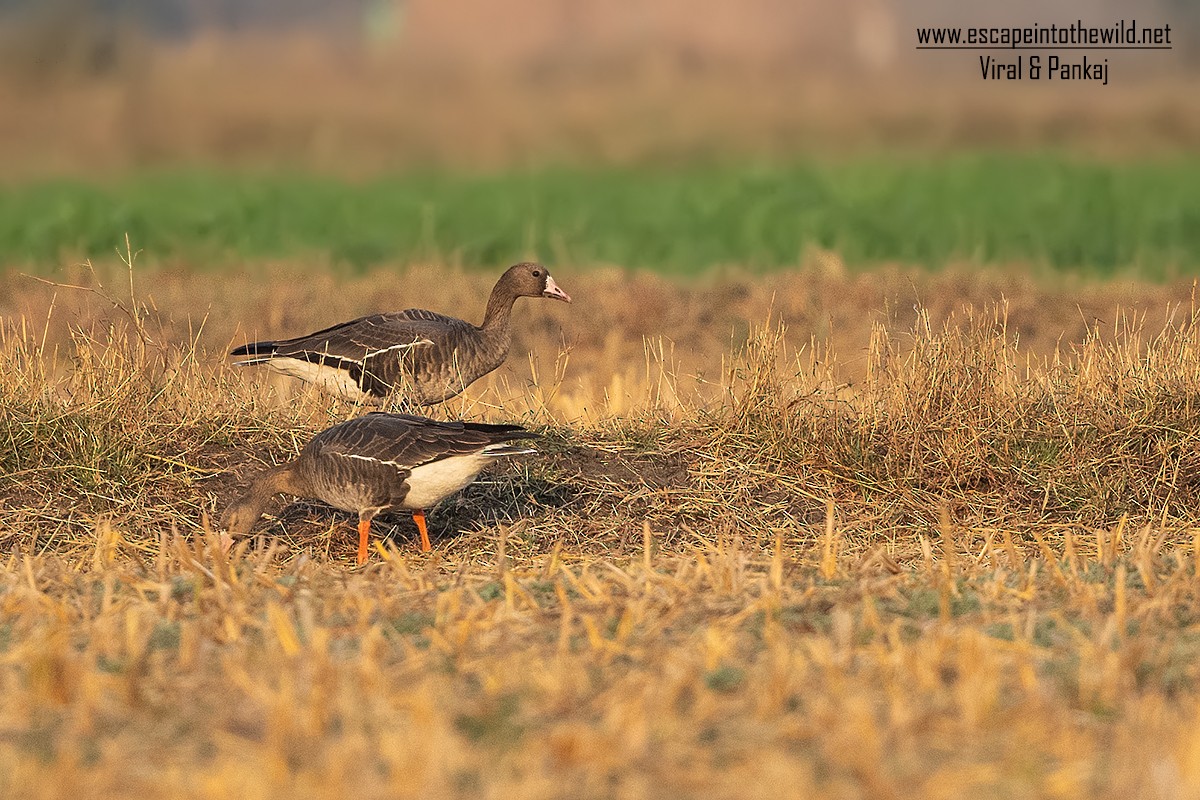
(725, 672)
(874, 551)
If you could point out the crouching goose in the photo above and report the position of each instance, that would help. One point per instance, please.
(424, 356)
(379, 462)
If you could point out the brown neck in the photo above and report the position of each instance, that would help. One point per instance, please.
(499, 309)
(284, 479)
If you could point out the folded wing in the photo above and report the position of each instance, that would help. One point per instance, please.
(408, 441)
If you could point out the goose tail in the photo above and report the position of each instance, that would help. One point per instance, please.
(264, 351)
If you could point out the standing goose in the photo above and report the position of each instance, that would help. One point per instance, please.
(428, 357)
(379, 462)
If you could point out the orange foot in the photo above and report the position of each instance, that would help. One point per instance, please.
(419, 518)
(364, 532)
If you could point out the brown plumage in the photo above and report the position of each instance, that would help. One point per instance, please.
(379, 462)
(424, 356)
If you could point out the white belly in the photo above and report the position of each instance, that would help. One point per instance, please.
(429, 483)
(334, 381)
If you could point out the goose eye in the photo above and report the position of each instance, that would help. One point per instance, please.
(537, 273)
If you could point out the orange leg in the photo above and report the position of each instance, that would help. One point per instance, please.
(419, 518)
(364, 532)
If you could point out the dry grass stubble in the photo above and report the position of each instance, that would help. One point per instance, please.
(973, 571)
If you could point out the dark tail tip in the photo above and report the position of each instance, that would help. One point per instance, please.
(254, 349)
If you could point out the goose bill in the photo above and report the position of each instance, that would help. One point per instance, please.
(552, 291)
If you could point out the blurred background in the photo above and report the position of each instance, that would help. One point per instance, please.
(358, 86)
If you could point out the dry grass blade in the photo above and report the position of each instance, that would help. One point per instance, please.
(872, 591)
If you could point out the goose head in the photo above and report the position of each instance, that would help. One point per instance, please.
(529, 279)
(239, 519)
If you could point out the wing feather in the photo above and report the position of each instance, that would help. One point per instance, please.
(408, 441)
(357, 339)
(421, 315)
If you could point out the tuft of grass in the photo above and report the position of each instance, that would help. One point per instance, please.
(724, 679)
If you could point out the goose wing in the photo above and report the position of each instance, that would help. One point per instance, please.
(406, 441)
(421, 315)
(357, 340)
(368, 350)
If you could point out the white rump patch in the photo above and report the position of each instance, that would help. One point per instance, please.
(331, 379)
(431, 482)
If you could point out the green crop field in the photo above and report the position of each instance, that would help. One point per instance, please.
(1140, 218)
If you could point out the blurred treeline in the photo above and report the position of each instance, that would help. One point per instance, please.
(362, 85)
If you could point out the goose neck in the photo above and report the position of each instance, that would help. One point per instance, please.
(499, 310)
